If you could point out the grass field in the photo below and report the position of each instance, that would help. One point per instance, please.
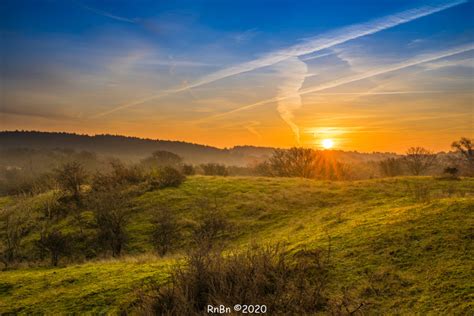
(398, 245)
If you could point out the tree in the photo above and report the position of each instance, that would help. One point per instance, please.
(295, 162)
(13, 230)
(166, 231)
(111, 213)
(161, 158)
(418, 160)
(54, 242)
(70, 177)
(466, 149)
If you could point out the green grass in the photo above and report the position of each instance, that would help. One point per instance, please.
(395, 252)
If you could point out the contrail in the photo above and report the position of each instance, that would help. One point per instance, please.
(316, 44)
(365, 75)
(294, 72)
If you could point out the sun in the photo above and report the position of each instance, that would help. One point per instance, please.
(327, 143)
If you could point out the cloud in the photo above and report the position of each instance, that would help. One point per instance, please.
(310, 46)
(365, 75)
(293, 72)
(109, 15)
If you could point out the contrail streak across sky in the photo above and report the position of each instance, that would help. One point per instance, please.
(313, 45)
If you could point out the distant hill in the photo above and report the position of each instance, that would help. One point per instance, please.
(134, 148)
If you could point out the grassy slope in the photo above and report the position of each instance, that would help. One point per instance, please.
(391, 251)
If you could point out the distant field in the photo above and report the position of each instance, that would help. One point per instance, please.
(399, 245)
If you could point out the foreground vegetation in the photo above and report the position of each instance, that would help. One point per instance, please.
(396, 245)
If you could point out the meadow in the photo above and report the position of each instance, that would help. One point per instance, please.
(398, 245)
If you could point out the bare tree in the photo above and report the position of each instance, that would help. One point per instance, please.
(112, 213)
(54, 242)
(418, 160)
(295, 162)
(465, 147)
(166, 231)
(70, 177)
(13, 230)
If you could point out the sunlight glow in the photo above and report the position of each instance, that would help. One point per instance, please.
(327, 143)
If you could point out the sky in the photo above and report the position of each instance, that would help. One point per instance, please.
(369, 75)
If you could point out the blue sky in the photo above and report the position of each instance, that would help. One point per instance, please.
(371, 75)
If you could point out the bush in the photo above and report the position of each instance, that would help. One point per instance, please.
(161, 158)
(166, 177)
(188, 170)
(260, 275)
(55, 243)
(111, 214)
(214, 169)
(391, 167)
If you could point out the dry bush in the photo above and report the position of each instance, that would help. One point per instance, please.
(260, 275)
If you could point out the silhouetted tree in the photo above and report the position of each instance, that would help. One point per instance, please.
(418, 160)
(465, 147)
(295, 162)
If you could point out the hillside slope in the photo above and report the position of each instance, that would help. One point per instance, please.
(392, 248)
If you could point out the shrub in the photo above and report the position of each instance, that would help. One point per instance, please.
(390, 167)
(14, 227)
(212, 225)
(166, 231)
(55, 243)
(111, 214)
(451, 172)
(166, 177)
(260, 275)
(214, 169)
(188, 170)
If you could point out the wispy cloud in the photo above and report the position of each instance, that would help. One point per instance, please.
(310, 46)
(108, 15)
(365, 75)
